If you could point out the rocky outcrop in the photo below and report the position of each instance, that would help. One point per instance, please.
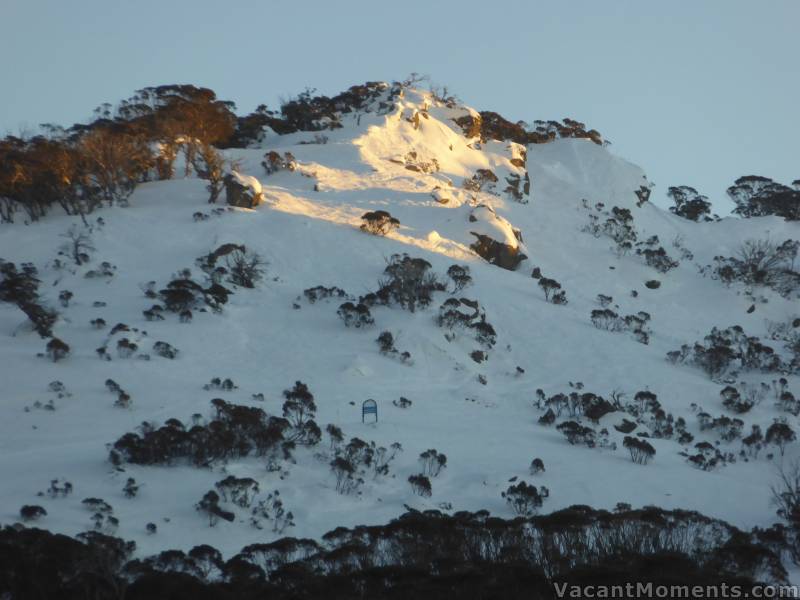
(496, 241)
(242, 191)
(497, 253)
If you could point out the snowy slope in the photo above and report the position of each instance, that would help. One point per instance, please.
(308, 231)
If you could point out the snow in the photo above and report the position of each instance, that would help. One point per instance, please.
(489, 432)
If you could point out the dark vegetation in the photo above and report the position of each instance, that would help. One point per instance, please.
(690, 204)
(234, 431)
(378, 222)
(757, 196)
(761, 263)
(617, 225)
(491, 126)
(728, 352)
(19, 286)
(428, 554)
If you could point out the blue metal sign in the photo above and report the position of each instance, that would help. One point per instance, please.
(369, 407)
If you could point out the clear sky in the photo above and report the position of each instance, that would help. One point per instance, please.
(696, 92)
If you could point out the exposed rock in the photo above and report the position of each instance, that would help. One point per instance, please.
(502, 255)
(497, 241)
(243, 191)
(482, 181)
(470, 124)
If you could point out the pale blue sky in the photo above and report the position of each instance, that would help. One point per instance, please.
(696, 92)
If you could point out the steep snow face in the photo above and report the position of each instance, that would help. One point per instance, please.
(472, 390)
(582, 169)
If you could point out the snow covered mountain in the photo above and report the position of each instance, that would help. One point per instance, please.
(618, 285)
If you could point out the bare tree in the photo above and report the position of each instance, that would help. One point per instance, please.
(246, 268)
(78, 244)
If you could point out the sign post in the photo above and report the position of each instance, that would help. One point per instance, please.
(369, 407)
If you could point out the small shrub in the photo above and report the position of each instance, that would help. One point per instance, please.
(460, 277)
(209, 506)
(64, 297)
(378, 222)
(165, 350)
(421, 485)
(32, 512)
(355, 315)
(402, 402)
(131, 488)
(57, 349)
(245, 268)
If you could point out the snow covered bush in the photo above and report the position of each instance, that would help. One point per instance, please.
(723, 349)
(761, 263)
(402, 402)
(407, 282)
(217, 383)
(238, 490)
(209, 506)
(57, 349)
(464, 314)
(272, 511)
(577, 434)
(356, 460)
(386, 347)
(20, 287)
(64, 298)
(165, 350)
(322, 293)
(460, 276)
(235, 431)
(537, 466)
(608, 320)
(355, 315)
(483, 180)
(131, 488)
(616, 225)
(655, 256)
(245, 268)
(420, 485)
(183, 294)
(378, 222)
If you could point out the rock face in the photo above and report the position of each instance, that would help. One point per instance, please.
(242, 191)
(496, 253)
(496, 240)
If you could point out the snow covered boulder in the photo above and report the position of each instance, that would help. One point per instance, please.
(243, 191)
(497, 241)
